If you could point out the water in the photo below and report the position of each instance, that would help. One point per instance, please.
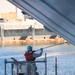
(65, 58)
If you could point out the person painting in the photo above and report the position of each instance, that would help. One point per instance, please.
(31, 55)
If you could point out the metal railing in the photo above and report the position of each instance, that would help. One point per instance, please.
(16, 62)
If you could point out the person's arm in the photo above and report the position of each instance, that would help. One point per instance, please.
(38, 53)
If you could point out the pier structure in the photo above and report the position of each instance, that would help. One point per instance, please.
(26, 32)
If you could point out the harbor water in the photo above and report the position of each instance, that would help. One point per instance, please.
(64, 53)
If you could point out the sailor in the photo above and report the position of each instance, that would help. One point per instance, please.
(31, 55)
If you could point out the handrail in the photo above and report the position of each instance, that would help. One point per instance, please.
(16, 62)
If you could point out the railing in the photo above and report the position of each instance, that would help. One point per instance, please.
(20, 63)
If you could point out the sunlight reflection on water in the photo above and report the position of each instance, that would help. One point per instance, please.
(65, 57)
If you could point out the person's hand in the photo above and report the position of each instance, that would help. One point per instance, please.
(41, 49)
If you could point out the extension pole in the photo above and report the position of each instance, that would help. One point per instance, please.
(50, 46)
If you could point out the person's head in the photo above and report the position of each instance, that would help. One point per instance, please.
(29, 48)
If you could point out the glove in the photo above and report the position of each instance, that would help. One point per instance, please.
(41, 49)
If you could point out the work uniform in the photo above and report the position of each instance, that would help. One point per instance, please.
(31, 66)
